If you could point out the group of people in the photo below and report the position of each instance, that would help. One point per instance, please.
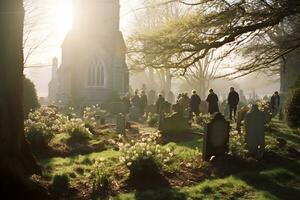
(138, 100)
(191, 104)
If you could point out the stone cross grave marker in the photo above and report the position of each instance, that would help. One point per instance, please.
(255, 136)
(216, 137)
(121, 123)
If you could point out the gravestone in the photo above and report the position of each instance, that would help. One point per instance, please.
(176, 107)
(150, 109)
(203, 107)
(240, 117)
(216, 137)
(175, 123)
(254, 128)
(116, 108)
(135, 113)
(151, 97)
(121, 123)
(165, 107)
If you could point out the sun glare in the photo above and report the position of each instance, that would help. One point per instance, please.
(63, 16)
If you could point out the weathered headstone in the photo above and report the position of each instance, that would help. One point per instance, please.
(121, 123)
(203, 107)
(175, 123)
(216, 137)
(165, 107)
(150, 109)
(240, 117)
(151, 97)
(255, 135)
(135, 113)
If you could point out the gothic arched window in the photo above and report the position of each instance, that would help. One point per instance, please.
(96, 75)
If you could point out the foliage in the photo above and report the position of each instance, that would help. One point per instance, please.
(42, 124)
(89, 116)
(221, 25)
(263, 105)
(76, 127)
(237, 145)
(60, 182)
(102, 182)
(203, 119)
(144, 157)
(293, 109)
(152, 119)
(30, 99)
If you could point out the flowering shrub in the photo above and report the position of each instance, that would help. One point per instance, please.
(263, 105)
(76, 127)
(42, 124)
(203, 119)
(144, 157)
(91, 115)
(152, 119)
(102, 179)
(237, 144)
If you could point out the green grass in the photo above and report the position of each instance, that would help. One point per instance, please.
(274, 181)
(227, 188)
(70, 165)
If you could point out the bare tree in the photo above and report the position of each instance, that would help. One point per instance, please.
(201, 73)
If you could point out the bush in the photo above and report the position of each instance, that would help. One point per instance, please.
(203, 119)
(102, 184)
(43, 124)
(293, 109)
(152, 119)
(60, 182)
(91, 115)
(76, 127)
(144, 158)
(237, 144)
(30, 99)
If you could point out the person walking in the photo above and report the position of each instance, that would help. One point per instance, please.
(275, 103)
(159, 102)
(144, 101)
(233, 101)
(212, 100)
(194, 104)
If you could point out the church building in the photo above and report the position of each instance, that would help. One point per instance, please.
(93, 62)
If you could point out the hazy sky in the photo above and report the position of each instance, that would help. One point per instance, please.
(53, 21)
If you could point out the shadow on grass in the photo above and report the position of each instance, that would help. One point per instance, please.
(162, 194)
(280, 178)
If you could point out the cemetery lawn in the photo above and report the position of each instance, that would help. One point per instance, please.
(277, 176)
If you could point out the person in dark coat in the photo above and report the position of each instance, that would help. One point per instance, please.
(159, 102)
(126, 102)
(194, 103)
(233, 100)
(144, 101)
(275, 102)
(212, 100)
(136, 100)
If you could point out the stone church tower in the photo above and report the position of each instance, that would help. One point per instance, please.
(93, 55)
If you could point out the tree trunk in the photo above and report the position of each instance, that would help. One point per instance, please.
(16, 158)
